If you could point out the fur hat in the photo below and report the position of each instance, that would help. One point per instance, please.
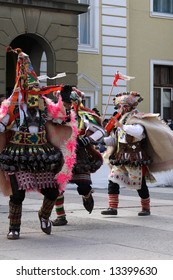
(131, 98)
(66, 93)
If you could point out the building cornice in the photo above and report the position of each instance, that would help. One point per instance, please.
(60, 6)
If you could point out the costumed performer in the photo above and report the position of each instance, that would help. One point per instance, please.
(34, 151)
(141, 146)
(88, 159)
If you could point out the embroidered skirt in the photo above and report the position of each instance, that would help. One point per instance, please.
(30, 153)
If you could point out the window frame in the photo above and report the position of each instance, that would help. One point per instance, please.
(159, 14)
(93, 47)
(152, 63)
(162, 89)
(90, 96)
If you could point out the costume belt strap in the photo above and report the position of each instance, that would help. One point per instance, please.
(29, 138)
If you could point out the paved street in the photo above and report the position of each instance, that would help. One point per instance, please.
(93, 236)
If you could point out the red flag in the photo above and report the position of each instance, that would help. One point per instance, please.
(120, 76)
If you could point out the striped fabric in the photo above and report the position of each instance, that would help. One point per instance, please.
(46, 208)
(15, 213)
(113, 201)
(59, 206)
(145, 203)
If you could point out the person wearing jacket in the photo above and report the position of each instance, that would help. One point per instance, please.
(139, 148)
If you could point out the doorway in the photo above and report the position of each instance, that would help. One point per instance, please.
(37, 49)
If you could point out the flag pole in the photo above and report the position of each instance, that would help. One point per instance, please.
(108, 101)
(117, 76)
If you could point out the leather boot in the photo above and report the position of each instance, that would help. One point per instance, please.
(88, 202)
(60, 211)
(113, 205)
(145, 203)
(109, 211)
(60, 221)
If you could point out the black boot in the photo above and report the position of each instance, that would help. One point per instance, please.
(60, 221)
(144, 212)
(88, 202)
(145, 203)
(109, 211)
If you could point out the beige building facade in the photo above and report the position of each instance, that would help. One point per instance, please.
(150, 53)
(134, 38)
(91, 44)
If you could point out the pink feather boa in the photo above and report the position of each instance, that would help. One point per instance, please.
(69, 151)
(68, 148)
(56, 111)
(4, 108)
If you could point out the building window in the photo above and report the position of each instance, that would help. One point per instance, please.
(43, 69)
(163, 91)
(162, 8)
(84, 26)
(89, 28)
(87, 101)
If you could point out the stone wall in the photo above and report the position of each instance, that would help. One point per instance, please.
(50, 26)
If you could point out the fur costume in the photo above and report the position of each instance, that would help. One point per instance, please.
(159, 144)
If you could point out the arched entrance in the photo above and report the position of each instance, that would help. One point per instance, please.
(37, 48)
